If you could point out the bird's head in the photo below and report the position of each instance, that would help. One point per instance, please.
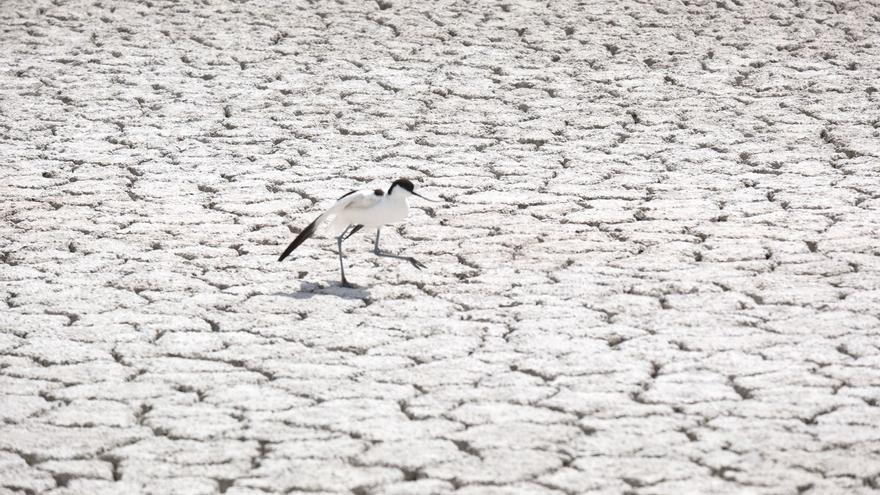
(406, 188)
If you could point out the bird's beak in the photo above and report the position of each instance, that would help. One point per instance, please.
(426, 199)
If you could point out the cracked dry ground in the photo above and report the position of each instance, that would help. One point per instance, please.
(658, 272)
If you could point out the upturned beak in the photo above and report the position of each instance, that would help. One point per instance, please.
(426, 199)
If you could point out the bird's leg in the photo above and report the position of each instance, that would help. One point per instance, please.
(341, 264)
(353, 231)
(378, 252)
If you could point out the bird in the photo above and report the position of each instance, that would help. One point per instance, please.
(355, 210)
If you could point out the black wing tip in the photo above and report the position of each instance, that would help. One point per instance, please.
(285, 253)
(301, 238)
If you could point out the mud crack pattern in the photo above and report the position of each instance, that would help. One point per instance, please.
(658, 271)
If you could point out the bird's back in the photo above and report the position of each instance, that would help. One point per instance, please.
(354, 207)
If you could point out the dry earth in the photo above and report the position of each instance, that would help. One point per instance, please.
(658, 272)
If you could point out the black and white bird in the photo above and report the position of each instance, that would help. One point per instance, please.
(358, 209)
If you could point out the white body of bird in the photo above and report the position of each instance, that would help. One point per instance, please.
(372, 209)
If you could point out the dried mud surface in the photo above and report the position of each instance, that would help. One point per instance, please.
(658, 270)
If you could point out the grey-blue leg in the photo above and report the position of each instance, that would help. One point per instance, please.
(353, 231)
(341, 263)
(378, 252)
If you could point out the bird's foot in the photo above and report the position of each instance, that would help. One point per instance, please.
(347, 284)
(416, 263)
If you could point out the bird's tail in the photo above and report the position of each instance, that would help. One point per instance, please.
(305, 234)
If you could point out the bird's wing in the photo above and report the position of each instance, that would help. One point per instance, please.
(353, 199)
(345, 210)
(359, 200)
